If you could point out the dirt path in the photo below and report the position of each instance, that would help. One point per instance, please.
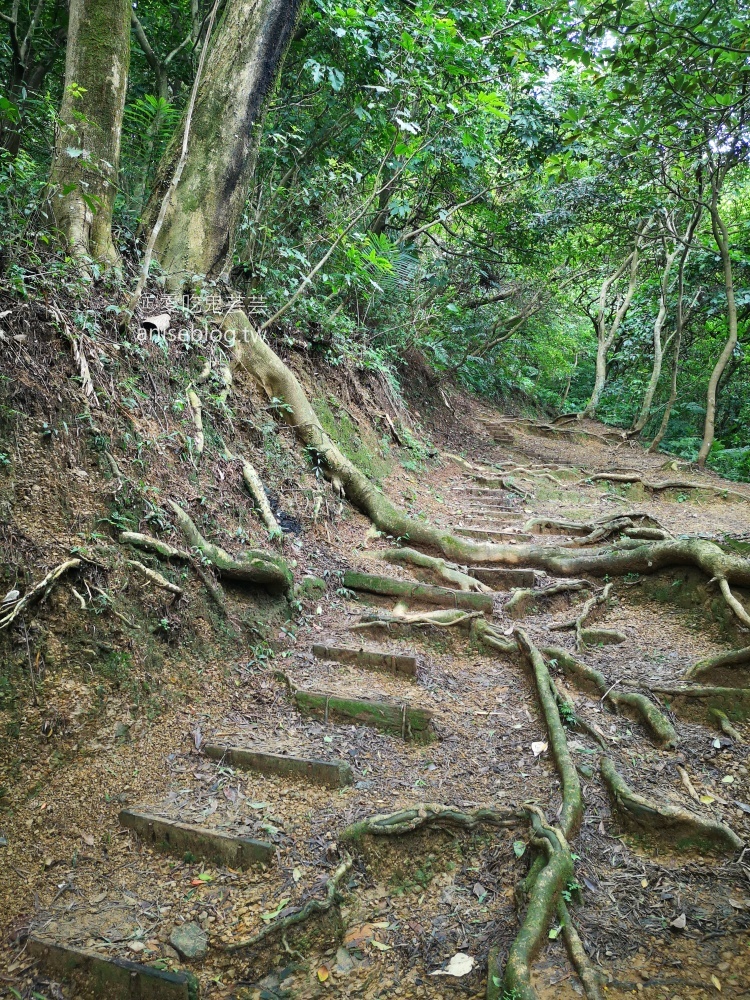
(655, 922)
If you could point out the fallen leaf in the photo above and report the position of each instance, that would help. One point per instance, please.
(479, 891)
(323, 973)
(459, 965)
(296, 874)
(743, 806)
(728, 779)
(717, 982)
(679, 923)
(357, 936)
(88, 839)
(380, 945)
(707, 799)
(539, 747)
(554, 932)
(644, 882)
(519, 848)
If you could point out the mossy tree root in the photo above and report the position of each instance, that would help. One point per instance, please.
(446, 618)
(253, 354)
(449, 572)
(310, 908)
(255, 488)
(543, 901)
(735, 658)
(666, 484)
(167, 551)
(547, 880)
(655, 722)
(430, 814)
(725, 725)
(683, 828)
(258, 568)
(524, 599)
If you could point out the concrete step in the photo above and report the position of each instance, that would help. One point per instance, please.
(200, 841)
(331, 774)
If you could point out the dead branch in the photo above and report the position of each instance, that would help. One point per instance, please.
(154, 577)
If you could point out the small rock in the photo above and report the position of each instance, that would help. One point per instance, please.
(344, 962)
(137, 946)
(190, 940)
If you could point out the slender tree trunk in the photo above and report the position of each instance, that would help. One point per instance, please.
(605, 335)
(87, 147)
(721, 238)
(242, 66)
(661, 316)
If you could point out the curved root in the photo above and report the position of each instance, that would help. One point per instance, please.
(735, 658)
(684, 829)
(658, 725)
(258, 568)
(311, 907)
(430, 814)
(441, 568)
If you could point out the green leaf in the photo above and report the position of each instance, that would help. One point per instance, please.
(519, 848)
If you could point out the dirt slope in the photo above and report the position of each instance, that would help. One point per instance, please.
(130, 684)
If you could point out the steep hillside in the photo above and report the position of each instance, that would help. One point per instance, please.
(127, 680)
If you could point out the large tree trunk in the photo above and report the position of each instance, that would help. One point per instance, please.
(721, 237)
(83, 179)
(243, 62)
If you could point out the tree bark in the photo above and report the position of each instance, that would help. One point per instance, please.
(243, 62)
(659, 345)
(83, 178)
(721, 237)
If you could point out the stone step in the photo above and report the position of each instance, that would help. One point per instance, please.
(395, 663)
(477, 531)
(99, 977)
(331, 774)
(200, 841)
(400, 719)
(500, 578)
(406, 590)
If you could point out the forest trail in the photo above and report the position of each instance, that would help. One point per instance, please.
(655, 922)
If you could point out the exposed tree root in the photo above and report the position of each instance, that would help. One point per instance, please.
(482, 631)
(526, 598)
(258, 568)
(332, 897)
(433, 814)
(684, 829)
(546, 882)
(441, 619)
(734, 701)
(196, 411)
(155, 577)
(10, 612)
(586, 636)
(252, 353)
(657, 724)
(732, 601)
(631, 525)
(736, 658)
(167, 551)
(545, 894)
(255, 487)
(444, 570)
(667, 484)
(725, 725)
